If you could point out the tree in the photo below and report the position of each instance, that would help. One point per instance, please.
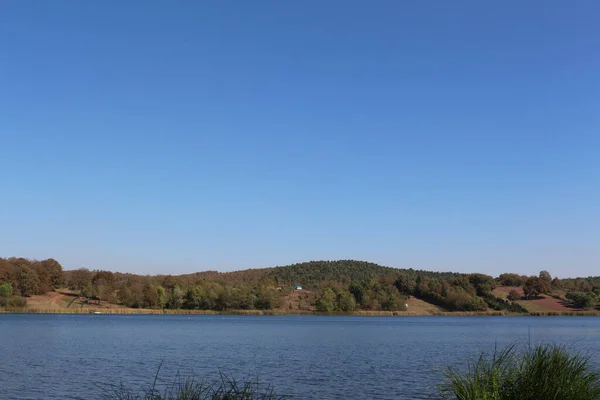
(545, 275)
(80, 279)
(175, 300)
(103, 285)
(149, 296)
(346, 301)
(326, 303)
(6, 290)
(27, 281)
(509, 279)
(358, 291)
(514, 295)
(535, 286)
(583, 300)
(161, 296)
(556, 283)
(54, 273)
(483, 284)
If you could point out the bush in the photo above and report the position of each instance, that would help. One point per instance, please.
(541, 372)
(6, 290)
(583, 300)
(501, 305)
(514, 295)
(13, 301)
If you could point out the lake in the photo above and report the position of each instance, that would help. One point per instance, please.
(305, 357)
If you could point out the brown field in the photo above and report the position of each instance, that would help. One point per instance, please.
(420, 307)
(543, 304)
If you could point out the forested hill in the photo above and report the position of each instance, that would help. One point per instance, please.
(328, 286)
(313, 273)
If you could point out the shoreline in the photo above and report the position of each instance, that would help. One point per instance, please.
(93, 311)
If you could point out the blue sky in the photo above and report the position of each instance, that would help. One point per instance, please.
(171, 137)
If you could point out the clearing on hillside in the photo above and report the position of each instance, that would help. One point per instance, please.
(544, 303)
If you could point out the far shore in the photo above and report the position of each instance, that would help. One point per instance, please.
(143, 311)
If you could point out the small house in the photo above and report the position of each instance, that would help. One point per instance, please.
(298, 287)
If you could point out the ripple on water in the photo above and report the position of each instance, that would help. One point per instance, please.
(68, 357)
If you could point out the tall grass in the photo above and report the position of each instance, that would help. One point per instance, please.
(541, 372)
(190, 388)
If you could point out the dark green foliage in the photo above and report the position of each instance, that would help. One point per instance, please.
(214, 296)
(80, 280)
(311, 274)
(454, 294)
(583, 300)
(101, 285)
(483, 284)
(511, 280)
(380, 294)
(545, 372)
(6, 290)
(545, 275)
(27, 281)
(534, 286)
(327, 301)
(500, 305)
(7, 298)
(589, 284)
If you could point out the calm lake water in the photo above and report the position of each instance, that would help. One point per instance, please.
(305, 357)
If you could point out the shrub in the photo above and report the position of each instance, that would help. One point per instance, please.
(6, 290)
(541, 372)
(583, 300)
(501, 305)
(514, 295)
(13, 301)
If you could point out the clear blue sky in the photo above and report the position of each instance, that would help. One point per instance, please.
(171, 137)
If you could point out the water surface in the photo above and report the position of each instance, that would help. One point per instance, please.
(306, 357)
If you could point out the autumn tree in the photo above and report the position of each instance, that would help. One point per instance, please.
(54, 273)
(545, 275)
(103, 286)
(80, 280)
(514, 295)
(534, 286)
(27, 281)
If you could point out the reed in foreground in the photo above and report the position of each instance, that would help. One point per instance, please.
(190, 388)
(545, 372)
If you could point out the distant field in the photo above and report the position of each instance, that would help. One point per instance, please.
(61, 300)
(545, 303)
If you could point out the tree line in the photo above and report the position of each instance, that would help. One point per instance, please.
(338, 286)
(21, 277)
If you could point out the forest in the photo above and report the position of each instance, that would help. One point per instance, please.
(327, 286)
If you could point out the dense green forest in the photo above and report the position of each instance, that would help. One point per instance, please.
(327, 286)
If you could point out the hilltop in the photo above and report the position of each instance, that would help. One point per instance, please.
(345, 286)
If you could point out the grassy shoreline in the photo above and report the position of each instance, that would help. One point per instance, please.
(117, 311)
